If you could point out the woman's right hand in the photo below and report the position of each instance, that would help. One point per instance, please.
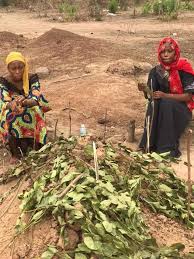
(19, 100)
(15, 105)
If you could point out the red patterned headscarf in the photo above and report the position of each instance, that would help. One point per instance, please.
(173, 68)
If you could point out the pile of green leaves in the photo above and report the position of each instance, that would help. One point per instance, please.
(107, 211)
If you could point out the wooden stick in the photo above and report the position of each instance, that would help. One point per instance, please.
(95, 161)
(73, 109)
(189, 138)
(55, 132)
(22, 154)
(105, 125)
(148, 134)
(73, 78)
(152, 103)
(72, 184)
(69, 119)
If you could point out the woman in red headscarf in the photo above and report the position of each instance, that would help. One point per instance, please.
(172, 101)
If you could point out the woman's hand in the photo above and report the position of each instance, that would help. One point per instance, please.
(19, 99)
(159, 94)
(14, 107)
(29, 103)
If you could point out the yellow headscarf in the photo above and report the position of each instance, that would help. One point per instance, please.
(17, 56)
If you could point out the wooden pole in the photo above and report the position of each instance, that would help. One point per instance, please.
(105, 126)
(148, 134)
(69, 119)
(189, 184)
(95, 161)
(55, 132)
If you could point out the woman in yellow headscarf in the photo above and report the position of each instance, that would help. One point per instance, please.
(22, 107)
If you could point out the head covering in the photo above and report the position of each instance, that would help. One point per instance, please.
(17, 56)
(174, 46)
(173, 68)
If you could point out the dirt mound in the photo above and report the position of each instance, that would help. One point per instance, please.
(65, 51)
(10, 42)
(126, 67)
(6, 36)
(56, 36)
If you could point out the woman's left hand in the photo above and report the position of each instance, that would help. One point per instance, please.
(29, 103)
(159, 94)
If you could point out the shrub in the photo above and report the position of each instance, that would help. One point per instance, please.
(124, 4)
(113, 6)
(168, 9)
(69, 9)
(4, 2)
(95, 9)
(187, 5)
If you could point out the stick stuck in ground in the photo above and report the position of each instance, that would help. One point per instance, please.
(189, 184)
(95, 161)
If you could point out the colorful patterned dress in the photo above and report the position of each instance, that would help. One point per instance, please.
(27, 122)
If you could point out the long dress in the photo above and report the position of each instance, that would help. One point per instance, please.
(170, 117)
(27, 123)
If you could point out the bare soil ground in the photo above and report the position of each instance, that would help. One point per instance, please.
(81, 58)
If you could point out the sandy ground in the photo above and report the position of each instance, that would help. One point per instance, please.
(92, 90)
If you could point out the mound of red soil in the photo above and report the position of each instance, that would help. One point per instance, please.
(63, 50)
(10, 42)
(6, 36)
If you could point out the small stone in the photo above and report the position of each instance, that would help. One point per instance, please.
(60, 19)
(162, 218)
(42, 72)
(20, 46)
(103, 120)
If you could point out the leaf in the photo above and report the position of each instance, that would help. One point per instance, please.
(165, 188)
(88, 241)
(156, 156)
(109, 187)
(105, 204)
(178, 246)
(68, 177)
(17, 171)
(36, 217)
(131, 209)
(108, 226)
(75, 196)
(49, 253)
(102, 215)
(88, 152)
(80, 256)
(100, 229)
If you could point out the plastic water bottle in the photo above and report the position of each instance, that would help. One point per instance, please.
(82, 130)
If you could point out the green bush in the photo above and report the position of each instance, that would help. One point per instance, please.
(166, 8)
(4, 2)
(69, 9)
(95, 9)
(124, 4)
(113, 6)
(187, 5)
(147, 8)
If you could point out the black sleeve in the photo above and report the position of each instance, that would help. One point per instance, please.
(187, 80)
(152, 80)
